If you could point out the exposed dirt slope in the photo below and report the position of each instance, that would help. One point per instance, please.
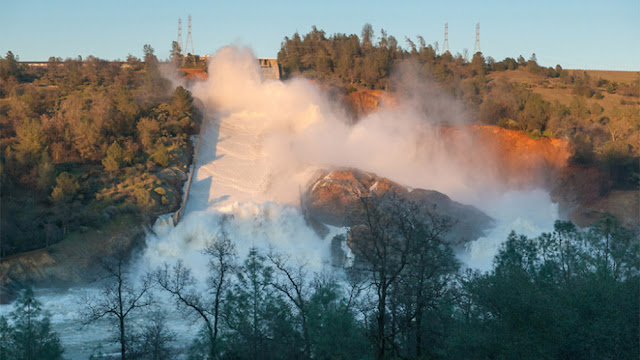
(363, 102)
(516, 159)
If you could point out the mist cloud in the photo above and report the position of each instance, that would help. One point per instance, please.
(302, 128)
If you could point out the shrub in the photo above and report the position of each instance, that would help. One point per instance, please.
(114, 158)
(66, 188)
(582, 149)
(161, 156)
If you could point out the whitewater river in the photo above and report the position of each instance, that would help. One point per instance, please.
(261, 145)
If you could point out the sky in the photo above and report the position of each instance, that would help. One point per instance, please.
(584, 34)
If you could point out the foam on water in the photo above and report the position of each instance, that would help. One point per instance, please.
(266, 226)
(528, 212)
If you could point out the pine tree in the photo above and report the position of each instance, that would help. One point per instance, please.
(28, 336)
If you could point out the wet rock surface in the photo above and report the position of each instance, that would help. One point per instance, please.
(335, 198)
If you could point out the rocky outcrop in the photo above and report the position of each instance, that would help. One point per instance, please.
(623, 204)
(363, 102)
(173, 176)
(335, 198)
(469, 222)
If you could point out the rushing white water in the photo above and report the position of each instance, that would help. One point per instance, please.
(529, 213)
(263, 141)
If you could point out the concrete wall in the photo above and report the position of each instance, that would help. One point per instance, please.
(270, 69)
(178, 215)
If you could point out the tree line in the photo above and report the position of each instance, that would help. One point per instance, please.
(568, 294)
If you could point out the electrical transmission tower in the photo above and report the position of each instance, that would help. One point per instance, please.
(445, 46)
(476, 49)
(189, 40)
(180, 33)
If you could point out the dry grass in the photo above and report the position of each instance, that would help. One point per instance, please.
(564, 96)
(552, 89)
(611, 75)
(517, 76)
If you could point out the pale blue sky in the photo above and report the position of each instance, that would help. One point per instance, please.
(576, 34)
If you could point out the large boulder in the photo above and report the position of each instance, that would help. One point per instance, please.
(469, 222)
(173, 176)
(335, 198)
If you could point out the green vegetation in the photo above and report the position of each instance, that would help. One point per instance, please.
(180, 60)
(85, 140)
(515, 94)
(562, 295)
(27, 334)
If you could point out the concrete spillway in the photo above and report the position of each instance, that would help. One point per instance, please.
(230, 166)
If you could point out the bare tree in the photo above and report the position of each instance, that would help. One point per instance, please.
(119, 297)
(381, 252)
(429, 273)
(293, 283)
(179, 282)
(399, 247)
(156, 338)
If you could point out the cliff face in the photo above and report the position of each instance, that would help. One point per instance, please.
(516, 159)
(584, 195)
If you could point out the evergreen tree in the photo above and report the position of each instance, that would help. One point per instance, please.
(28, 335)
(562, 295)
(258, 320)
(114, 159)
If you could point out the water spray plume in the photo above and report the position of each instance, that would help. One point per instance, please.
(266, 139)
